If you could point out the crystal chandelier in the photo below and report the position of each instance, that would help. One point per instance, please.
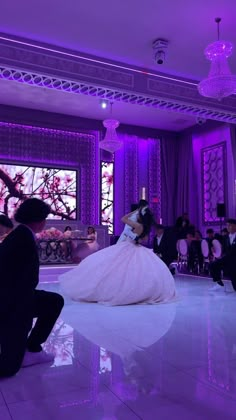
(220, 82)
(111, 142)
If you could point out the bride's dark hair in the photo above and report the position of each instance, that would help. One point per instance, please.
(147, 220)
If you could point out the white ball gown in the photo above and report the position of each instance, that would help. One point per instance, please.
(121, 274)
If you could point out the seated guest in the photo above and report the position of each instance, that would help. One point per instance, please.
(198, 235)
(6, 226)
(222, 237)
(67, 232)
(181, 225)
(190, 237)
(182, 221)
(66, 248)
(164, 245)
(84, 249)
(227, 262)
(224, 232)
(195, 257)
(67, 229)
(92, 235)
(210, 236)
(20, 302)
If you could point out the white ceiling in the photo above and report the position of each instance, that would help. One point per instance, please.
(26, 96)
(121, 31)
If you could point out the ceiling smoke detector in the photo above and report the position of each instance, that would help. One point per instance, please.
(159, 47)
(200, 120)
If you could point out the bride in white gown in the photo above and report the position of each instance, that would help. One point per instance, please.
(122, 274)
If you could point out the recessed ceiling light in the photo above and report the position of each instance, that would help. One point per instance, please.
(104, 103)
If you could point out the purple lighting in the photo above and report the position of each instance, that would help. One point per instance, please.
(57, 187)
(29, 44)
(73, 150)
(220, 83)
(112, 94)
(103, 103)
(111, 143)
(35, 128)
(213, 178)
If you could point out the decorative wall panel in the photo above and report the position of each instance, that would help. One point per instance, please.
(107, 195)
(214, 183)
(37, 145)
(154, 177)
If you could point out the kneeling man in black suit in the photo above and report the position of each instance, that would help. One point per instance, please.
(20, 302)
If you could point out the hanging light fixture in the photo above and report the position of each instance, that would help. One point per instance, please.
(220, 82)
(111, 142)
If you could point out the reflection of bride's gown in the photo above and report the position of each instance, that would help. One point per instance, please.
(121, 274)
(122, 330)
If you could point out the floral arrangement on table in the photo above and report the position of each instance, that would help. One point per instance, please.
(51, 233)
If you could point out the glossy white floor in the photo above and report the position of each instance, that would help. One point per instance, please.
(150, 362)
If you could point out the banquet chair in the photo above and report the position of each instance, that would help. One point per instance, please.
(206, 255)
(216, 248)
(182, 248)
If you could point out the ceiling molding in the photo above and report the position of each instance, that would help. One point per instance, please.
(53, 69)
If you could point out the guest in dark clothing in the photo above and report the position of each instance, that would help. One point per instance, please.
(224, 240)
(227, 262)
(210, 236)
(195, 257)
(182, 221)
(182, 225)
(6, 226)
(224, 232)
(19, 301)
(164, 245)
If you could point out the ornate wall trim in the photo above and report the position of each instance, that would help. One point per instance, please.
(38, 145)
(214, 181)
(212, 111)
(131, 176)
(46, 66)
(62, 65)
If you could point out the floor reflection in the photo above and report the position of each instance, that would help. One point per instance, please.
(61, 343)
(165, 361)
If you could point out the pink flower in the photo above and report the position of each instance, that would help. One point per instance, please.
(109, 179)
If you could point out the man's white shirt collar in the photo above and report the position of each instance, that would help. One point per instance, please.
(232, 237)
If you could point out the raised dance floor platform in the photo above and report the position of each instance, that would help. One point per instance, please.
(179, 363)
(50, 273)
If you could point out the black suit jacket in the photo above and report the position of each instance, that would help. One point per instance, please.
(162, 248)
(227, 248)
(19, 270)
(167, 247)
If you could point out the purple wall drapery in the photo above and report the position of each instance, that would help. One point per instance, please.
(137, 165)
(168, 177)
(178, 180)
(186, 196)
